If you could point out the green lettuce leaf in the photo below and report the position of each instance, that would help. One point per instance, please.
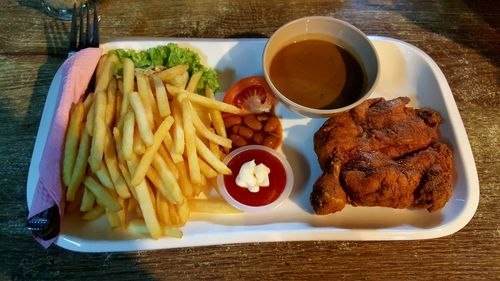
(168, 56)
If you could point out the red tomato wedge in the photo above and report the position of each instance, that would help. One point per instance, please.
(251, 94)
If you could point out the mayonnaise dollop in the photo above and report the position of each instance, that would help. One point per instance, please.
(253, 176)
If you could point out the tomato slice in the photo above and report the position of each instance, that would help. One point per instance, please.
(251, 94)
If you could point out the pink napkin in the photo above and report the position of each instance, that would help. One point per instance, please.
(76, 73)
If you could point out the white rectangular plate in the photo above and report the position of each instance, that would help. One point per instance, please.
(405, 71)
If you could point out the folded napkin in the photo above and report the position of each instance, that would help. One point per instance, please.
(76, 73)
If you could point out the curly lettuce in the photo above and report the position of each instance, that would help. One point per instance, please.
(168, 56)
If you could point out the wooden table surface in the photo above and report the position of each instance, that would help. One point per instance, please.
(461, 36)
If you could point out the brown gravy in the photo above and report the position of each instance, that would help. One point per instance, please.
(318, 74)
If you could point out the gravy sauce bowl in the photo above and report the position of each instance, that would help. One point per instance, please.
(318, 66)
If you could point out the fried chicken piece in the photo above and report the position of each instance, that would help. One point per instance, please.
(422, 179)
(329, 196)
(376, 125)
(364, 154)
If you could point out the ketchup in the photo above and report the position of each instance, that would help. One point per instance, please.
(267, 194)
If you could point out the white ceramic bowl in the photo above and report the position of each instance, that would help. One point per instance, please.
(325, 28)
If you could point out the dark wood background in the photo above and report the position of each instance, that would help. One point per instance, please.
(461, 36)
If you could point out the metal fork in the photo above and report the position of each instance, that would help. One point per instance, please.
(80, 38)
(47, 223)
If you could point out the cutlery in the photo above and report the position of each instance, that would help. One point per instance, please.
(46, 224)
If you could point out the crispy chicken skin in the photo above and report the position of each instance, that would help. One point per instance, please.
(382, 153)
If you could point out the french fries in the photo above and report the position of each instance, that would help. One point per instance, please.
(72, 140)
(128, 135)
(169, 74)
(216, 115)
(128, 84)
(105, 75)
(204, 131)
(99, 131)
(80, 165)
(189, 133)
(172, 190)
(161, 97)
(145, 201)
(143, 147)
(101, 194)
(178, 131)
(205, 101)
(141, 118)
(211, 206)
(148, 156)
(111, 102)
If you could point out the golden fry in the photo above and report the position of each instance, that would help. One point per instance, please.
(184, 182)
(111, 103)
(155, 179)
(80, 166)
(173, 191)
(170, 162)
(180, 80)
(89, 121)
(162, 210)
(101, 194)
(97, 145)
(147, 158)
(119, 183)
(141, 119)
(170, 145)
(214, 104)
(128, 77)
(139, 146)
(124, 107)
(178, 130)
(147, 99)
(168, 74)
(215, 147)
(128, 135)
(100, 65)
(206, 170)
(127, 177)
(182, 212)
(104, 177)
(108, 70)
(114, 219)
(117, 136)
(138, 226)
(211, 159)
(174, 218)
(88, 200)
(93, 213)
(215, 115)
(189, 134)
(161, 97)
(205, 132)
(193, 81)
(171, 231)
(71, 142)
(87, 103)
(217, 206)
(98, 136)
(147, 209)
(204, 101)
